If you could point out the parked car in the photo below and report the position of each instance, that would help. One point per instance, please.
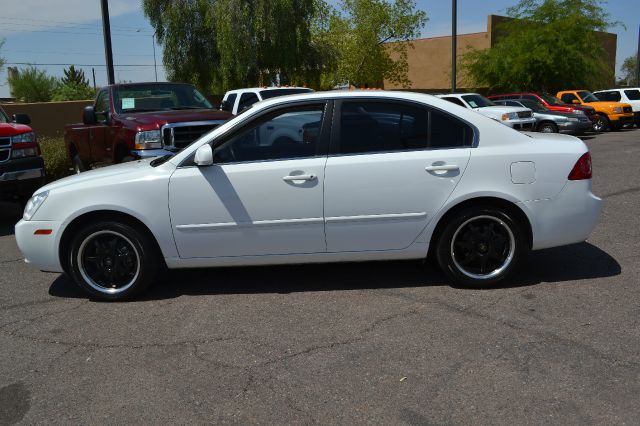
(516, 118)
(551, 102)
(611, 115)
(628, 95)
(235, 101)
(388, 175)
(548, 121)
(139, 120)
(21, 166)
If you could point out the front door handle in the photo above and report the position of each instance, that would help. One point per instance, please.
(299, 177)
(442, 168)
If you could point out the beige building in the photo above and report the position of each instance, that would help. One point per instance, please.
(430, 58)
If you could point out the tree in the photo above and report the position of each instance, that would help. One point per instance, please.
(72, 76)
(550, 45)
(32, 85)
(73, 86)
(630, 71)
(2, 60)
(371, 38)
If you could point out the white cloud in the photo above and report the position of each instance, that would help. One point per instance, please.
(33, 15)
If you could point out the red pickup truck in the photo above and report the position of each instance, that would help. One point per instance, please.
(139, 120)
(21, 166)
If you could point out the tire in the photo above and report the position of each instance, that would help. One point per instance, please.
(602, 124)
(547, 127)
(481, 247)
(78, 165)
(112, 260)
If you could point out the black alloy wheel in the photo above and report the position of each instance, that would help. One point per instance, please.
(481, 247)
(113, 260)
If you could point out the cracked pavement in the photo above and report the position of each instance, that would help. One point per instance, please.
(382, 343)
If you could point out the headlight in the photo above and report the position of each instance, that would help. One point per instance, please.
(24, 138)
(148, 140)
(617, 110)
(510, 116)
(34, 204)
(579, 112)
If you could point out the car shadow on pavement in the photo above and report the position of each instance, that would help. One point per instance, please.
(10, 214)
(569, 263)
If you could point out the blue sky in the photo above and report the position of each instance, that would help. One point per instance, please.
(70, 32)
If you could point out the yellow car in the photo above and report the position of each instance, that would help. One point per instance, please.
(613, 115)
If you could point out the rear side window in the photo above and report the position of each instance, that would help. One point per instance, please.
(609, 96)
(633, 95)
(367, 127)
(247, 99)
(454, 100)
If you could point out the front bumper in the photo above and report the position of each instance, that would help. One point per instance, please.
(568, 218)
(621, 119)
(521, 124)
(41, 251)
(21, 177)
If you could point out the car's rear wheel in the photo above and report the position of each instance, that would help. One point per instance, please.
(602, 124)
(547, 127)
(481, 247)
(112, 260)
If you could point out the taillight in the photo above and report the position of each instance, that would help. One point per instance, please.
(582, 169)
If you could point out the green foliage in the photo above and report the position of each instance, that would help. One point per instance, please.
(223, 44)
(630, 71)
(550, 45)
(2, 60)
(72, 92)
(32, 85)
(359, 34)
(56, 161)
(73, 76)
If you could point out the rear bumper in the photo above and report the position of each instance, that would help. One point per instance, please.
(41, 251)
(568, 218)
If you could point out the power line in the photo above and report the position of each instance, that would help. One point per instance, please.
(67, 32)
(77, 65)
(91, 26)
(66, 52)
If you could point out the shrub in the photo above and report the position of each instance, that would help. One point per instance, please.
(56, 161)
(32, 85)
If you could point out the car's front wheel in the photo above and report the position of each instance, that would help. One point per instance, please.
(547, 127)
(481, 247)
(112, 260)
(602, 124)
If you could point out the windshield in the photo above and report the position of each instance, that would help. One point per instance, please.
(477, 101)
(272, 93)
(633, 95)
(158, 97)
(551, 100)
(533, 105)
(588, 97)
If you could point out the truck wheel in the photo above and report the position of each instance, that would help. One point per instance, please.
(602, 124)
(78, 166)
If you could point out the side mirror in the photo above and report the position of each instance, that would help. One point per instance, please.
(575, 101)
(89, 115)
(225, 106)
(21, 119)
(204, 156)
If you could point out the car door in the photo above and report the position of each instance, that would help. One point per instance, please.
(261, 197)
(391, 167)
(101, 150)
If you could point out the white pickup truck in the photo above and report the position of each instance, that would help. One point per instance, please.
(235, 101)
(629, 95)
(518, 118)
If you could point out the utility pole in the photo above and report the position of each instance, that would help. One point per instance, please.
(454, 47)
(155, 67)
(106, 31)
(638, 60)
(93, 71)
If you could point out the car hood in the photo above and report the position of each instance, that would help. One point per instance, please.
(161, 118)
(124, 171)
(12, 129)
(607, 104)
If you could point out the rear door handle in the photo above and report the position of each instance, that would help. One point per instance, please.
(442, 168)
(299, 177)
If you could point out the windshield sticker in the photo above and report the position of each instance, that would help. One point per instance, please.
(473, 104)
(128, 103)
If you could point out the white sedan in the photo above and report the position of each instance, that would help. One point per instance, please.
(366, 176)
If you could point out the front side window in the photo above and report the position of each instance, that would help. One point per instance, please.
(102, 106)
(569, 98)
(246, 100)
(3, 117)
(227, 104)
(285, 134)
(368, 127)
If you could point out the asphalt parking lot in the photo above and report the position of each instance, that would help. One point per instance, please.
(382, 343)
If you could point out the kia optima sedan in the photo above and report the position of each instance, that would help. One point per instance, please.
(322, 177)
